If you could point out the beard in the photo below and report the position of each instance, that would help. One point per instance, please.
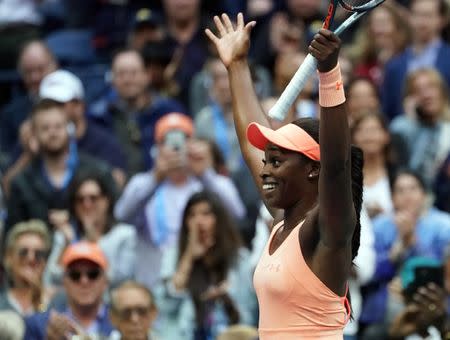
(54, 152)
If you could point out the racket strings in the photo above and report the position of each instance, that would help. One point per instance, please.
(359, 4)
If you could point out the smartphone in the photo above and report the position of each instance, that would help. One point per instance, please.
(175, 140)
(423, 275)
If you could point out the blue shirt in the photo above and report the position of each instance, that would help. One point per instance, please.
(432, 235)
(425, 58)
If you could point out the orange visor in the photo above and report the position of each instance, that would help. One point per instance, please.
(290, 137)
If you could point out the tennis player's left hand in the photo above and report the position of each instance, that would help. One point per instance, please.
(325, 48)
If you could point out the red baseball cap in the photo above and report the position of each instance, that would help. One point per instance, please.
(84, 250)
(173, 121)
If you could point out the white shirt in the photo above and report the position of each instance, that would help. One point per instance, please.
(378, 194)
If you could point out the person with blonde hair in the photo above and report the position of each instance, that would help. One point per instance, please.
(26, 249)
(424, 128)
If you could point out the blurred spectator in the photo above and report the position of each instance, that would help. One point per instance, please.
(425, 127)
(26, 249)
(286, 64)
(40, 190)
(147, 26)
(12, 326)
(133, 310)
(442, 187)
(154, 200)
(159, 62)
(18, 24)
(286, 31)
(362, 96)
(185, 26)
(215, 121)
(425, 313)
(207, 279)
(132, 115)
(90, 217)
(66, 88)
(370, 132)
(412, 230)
(385, 35)
(362, 272)
(34, 63)
(427, 49)
(85, 283)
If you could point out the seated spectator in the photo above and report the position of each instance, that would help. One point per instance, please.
(85, 283)
(207, 279)
(90, 217)
(370, 132)
(132, 312)
(67, 89)
(133, 114)
(147, 26)
(34, 63)
(40, 190)
(427, 49)
(154, 201)
(425, 128)
(413, 229)
(26, 249)
(362, 96)
(215, 121)
(426, 309)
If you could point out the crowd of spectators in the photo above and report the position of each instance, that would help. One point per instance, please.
(126, 209)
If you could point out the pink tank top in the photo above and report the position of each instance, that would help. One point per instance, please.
(293, 302)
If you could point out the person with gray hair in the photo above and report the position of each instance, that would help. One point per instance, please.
(26, 248)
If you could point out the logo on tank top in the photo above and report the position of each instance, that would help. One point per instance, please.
(272, 267)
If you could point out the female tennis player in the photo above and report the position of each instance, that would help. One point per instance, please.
(311, 179)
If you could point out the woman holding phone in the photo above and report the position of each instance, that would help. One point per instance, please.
(313, 188)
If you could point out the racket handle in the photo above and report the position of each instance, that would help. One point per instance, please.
(292, 90)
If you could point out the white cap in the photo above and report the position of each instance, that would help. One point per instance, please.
(61, 86)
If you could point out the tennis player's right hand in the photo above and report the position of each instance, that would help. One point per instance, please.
(232, 43)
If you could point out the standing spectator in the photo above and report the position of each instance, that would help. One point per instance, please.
(215, 121)
(85, 283)
(425, 127)
(34, 63)
(427, 49)
(412, 229)
(66, 88)
(147, 26)
(154, 201)
(133, 114)
(90, 217)
(26, 249)
(208, 278)
(185, 25)
(133, 310)
(40, 190)
(370, 132)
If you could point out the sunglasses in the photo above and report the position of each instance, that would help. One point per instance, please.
(39, 255)
(127, 313)
(90, 198)
(92, 274)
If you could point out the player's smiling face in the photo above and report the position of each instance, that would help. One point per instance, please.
(283, 177)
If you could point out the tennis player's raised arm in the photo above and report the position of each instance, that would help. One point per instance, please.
(232, 44)
(336, 209)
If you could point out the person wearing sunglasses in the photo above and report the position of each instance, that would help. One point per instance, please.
(90, 217)
(84, 313)
(132, 312)
(27, 246)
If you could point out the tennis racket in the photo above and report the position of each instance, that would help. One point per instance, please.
(309, 65)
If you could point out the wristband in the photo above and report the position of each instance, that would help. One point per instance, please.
(331, 88)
